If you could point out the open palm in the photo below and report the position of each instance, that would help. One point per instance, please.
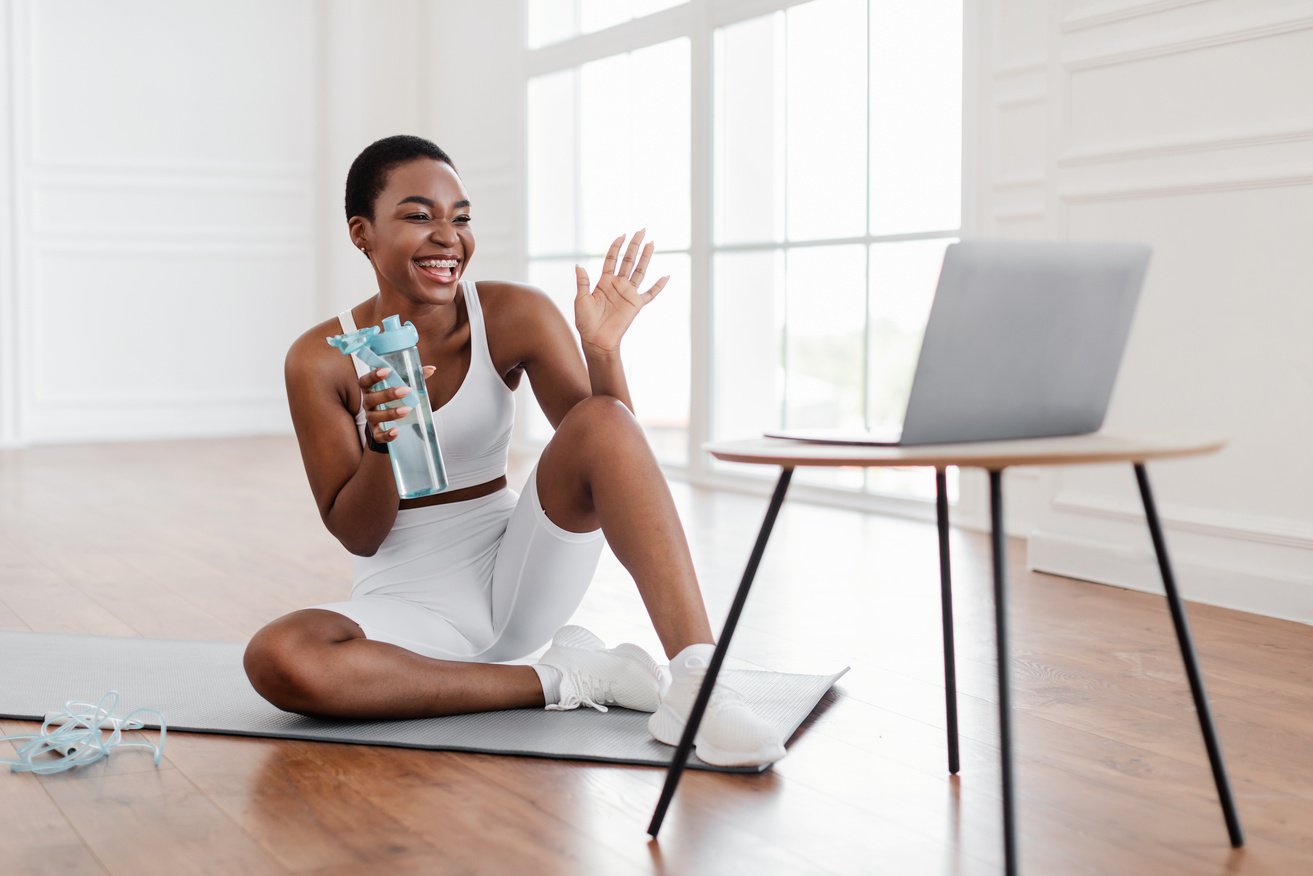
(603, 314)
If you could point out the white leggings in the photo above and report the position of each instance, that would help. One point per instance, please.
(487, 580)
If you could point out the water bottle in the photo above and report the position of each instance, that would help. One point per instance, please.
(416, 457)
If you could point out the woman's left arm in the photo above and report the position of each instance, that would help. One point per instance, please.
(603, 314)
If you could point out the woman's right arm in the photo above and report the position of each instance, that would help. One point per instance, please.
(353, 487)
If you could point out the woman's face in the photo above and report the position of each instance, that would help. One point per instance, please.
(420, 240)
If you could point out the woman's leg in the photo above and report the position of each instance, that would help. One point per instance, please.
(598, 470)
(319, 663)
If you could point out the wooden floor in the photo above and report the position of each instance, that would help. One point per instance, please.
(211, 539)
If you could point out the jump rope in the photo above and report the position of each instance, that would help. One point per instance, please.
(75, 738)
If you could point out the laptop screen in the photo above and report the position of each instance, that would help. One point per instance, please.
(1024, 340)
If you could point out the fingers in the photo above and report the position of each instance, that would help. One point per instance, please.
(634, 265)
(622, 280)
(373, 398)
(627, 264)
(652, 293)
(382, 422)
(378, 375)
(641, 271)
(608, 264)
(581, 280)
(369, 378)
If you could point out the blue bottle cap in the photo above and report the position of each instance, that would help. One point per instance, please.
(394, 336)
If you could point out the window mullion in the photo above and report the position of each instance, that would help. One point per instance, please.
(866, 254)
(701, 206)
(784, 228)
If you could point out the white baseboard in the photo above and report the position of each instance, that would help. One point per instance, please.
(1273, 593)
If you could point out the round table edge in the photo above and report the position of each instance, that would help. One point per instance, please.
(991, 455)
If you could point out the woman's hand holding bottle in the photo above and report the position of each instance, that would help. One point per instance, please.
(380, 421)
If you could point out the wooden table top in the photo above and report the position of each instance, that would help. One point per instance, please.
(1066, 450)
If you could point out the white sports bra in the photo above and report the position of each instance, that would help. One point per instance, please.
(474, 427)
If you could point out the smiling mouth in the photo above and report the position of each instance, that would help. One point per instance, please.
(439, 269)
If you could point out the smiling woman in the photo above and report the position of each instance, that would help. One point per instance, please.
(447, 586)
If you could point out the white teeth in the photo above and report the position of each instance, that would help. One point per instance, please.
(438, 263)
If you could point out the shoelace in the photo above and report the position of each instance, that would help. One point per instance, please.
(76, 737)
(588, 690)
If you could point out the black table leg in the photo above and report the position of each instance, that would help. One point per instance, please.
(999, 540)
(685, 747)
(946, 608)
(1191, 662)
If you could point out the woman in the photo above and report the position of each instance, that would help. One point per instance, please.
(448, 585)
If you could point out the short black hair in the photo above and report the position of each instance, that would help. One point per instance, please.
(368, 175)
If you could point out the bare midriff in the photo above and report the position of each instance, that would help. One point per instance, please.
(478, 490)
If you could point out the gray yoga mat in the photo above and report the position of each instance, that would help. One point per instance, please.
(200, 687)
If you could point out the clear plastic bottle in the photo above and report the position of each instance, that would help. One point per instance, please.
(415, 454)
(416, 457)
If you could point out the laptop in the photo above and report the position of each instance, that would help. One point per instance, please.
(1024, 340)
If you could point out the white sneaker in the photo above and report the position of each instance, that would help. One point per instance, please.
(597, 676)
(730, 734)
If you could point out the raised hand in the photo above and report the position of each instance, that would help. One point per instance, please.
(603, 314)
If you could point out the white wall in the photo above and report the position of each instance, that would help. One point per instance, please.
(374, 80)
(1186, 124)
(157, 215)
(172, 179)
(9, 427)
(477, 114)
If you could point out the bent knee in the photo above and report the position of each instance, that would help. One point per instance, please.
(284, 662)
(277, 670)
(598, 415)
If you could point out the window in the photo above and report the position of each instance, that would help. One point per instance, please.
(836, 171)
(834, 161)
(608, 152)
